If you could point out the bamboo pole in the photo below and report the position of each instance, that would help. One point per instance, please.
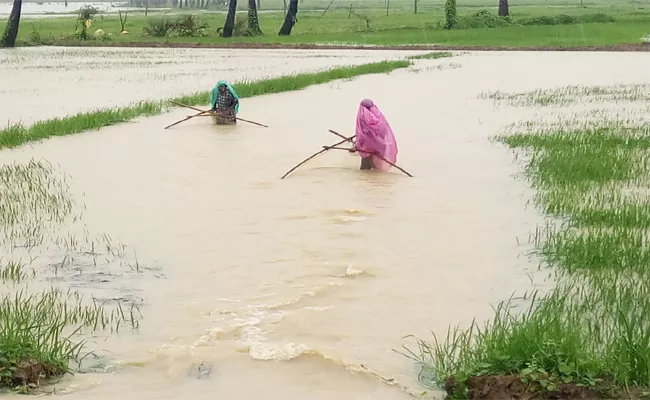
(186, 118)
(316, 154)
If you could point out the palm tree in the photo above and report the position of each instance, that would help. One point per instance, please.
(503, 8)
(229, 26)
(11, 30)
(253, 21)
(290, 19)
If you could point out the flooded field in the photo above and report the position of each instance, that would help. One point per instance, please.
(250, 286)
(39, 9)
(47, 82)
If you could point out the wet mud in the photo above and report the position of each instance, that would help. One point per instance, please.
(511, 387)
(31, 373)
(623, 47)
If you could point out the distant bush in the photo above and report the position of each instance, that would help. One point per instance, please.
(483, 19)
(159, 27)
(563, 19)
(184, 25)
(189, 25)
(488, 19)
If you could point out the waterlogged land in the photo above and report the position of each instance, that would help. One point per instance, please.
(17, 134)
(306, 285)
(75, 285)
(588, 337)
(85, 80)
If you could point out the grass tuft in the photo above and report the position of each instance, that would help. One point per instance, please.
(35, 334)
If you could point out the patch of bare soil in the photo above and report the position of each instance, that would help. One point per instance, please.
(31, 372)
(618, 48)
(511, 387)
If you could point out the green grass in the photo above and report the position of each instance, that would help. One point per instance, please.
(16, 135)
(13, 271)
(35, 335)
(530, 25)
(593, 329)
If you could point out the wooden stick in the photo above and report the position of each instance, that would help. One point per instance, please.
(339, 148)
(185, 105)
(341, 136)
(251, 122)
(185, 119)
(376, 155)
(314, 155)
(212, 113)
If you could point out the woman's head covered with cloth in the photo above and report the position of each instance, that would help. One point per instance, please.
(217, 89)
(375, 136)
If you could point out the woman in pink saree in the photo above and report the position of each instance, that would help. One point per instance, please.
(375, 140)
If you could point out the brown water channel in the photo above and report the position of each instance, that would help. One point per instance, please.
(301, 288)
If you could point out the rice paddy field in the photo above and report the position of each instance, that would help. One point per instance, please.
(156, 263)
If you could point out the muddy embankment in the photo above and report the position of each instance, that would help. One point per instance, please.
(625, 47)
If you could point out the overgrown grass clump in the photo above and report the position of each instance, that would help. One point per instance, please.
(36, 331)
(18, 134)
(593, 330)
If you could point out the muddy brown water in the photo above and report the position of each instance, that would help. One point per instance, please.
(301, 288)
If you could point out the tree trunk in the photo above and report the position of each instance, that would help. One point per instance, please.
(503, 8)
(253, 21)
(290, 19)
(11, 30)
(229, 26)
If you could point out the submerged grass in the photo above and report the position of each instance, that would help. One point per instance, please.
(592, 332)
(432, 56)
(39, 332)
(31, 200)
(572, 94)
(18, 134)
